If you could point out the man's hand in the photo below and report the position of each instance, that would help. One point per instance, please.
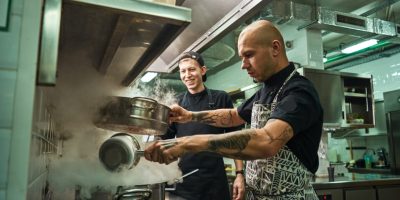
(179, 114)
(238, 187)
(164, 151)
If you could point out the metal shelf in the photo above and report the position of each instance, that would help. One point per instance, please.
(353, 94)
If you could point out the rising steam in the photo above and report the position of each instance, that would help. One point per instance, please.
(77, 97)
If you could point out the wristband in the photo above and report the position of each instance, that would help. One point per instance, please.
(239, 172)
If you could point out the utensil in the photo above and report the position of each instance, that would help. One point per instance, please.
(138, 192)
(177, 180)
(121, 151)
(138, 115)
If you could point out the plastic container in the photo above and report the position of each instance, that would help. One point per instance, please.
(368, 161)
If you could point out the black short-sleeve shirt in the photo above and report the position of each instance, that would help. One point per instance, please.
(299, 106)
(210, 182)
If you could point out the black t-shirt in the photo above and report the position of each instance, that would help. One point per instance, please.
(210, 182)
(298, 105)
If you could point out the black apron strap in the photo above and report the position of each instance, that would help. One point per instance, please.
(184, 102)
(210, 99)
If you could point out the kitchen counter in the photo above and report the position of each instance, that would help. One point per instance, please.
(356, 180)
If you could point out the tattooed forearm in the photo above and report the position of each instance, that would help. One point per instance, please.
(222, 118)
(283, 137)
(199, 116)
(236, 141)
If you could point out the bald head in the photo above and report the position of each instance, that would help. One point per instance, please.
(262, 32)
(262, 50)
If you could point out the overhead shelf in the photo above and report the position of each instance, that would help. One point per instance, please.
(352, 94)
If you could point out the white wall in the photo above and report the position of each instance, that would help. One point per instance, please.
(229, 79)
(18, 56)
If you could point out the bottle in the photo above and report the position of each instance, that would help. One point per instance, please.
(368, 161)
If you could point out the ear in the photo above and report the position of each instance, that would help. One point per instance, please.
(276, 47)
(203, 70)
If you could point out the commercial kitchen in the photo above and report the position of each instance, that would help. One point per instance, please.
(67, 66)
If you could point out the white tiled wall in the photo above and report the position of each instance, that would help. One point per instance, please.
(9, 41)
(18, 58)
(5, 135)
(7, 89)
(8, 64)
(229, 79)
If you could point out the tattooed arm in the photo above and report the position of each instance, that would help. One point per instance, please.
(220, 117)
(252, 143)
(247, 144)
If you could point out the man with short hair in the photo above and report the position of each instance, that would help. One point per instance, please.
(210, 181)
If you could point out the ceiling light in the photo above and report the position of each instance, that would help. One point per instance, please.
(148, 77)
(359, 46)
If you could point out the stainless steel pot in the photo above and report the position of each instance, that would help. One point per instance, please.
(138, 115)
(121, 151)
(142, 192)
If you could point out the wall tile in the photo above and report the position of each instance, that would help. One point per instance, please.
(9, 44)
(2, 194)
(17, 6)
(7, 88)
(5, 139)
(223, 79)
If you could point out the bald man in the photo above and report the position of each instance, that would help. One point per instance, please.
(285, 116)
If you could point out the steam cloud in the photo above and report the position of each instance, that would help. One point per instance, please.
(77, 97)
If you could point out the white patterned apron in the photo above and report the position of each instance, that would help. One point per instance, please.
(281, 177)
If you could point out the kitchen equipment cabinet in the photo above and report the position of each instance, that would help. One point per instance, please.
(330, 90)
(388, 192)
(392, 111)
(330, 194)
(358, 100)
(360, 193)
(346, 98)
(380, 123)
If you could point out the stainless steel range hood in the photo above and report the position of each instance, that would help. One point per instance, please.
(119, 37)
(205, 15)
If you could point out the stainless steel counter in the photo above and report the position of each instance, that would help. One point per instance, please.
(350, 180)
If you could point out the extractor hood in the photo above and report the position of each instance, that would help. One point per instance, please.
(120, 38)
